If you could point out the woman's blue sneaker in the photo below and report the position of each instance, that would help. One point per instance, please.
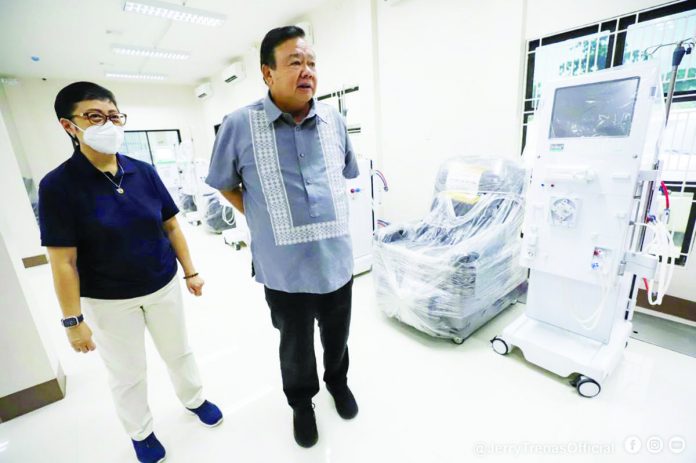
(209, 414)
(149, 450)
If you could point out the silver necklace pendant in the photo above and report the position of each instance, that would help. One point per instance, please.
(119, 190)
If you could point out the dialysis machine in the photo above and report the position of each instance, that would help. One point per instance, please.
(586, 218)
(361, 218)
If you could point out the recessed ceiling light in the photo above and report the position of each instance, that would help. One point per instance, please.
(174, 12)
(132, 75)
(150, 52)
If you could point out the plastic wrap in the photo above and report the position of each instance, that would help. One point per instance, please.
(457, 268)
(218, 217)
(187, 203)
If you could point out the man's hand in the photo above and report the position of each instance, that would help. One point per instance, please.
(80, 338)
(195, 285)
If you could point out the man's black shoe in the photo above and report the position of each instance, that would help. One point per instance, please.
(305, 426)
(346, 406)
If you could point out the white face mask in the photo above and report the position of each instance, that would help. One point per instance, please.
(106, 139)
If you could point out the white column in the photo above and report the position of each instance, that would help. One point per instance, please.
(30, 373)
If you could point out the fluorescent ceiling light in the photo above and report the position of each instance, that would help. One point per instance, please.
(8, 81)
(150, 52)
(174, 12)
(131, 75)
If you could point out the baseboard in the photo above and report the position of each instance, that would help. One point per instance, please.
(34, 261)
(33, 398)
(671, 305)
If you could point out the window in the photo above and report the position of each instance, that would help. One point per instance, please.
(152, 146)
(348, 102)
(159, 148)
(623, 40)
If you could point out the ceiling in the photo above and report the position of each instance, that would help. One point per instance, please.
(73, 38)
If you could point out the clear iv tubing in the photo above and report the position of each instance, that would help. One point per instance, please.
(594, 318)
(662, 246)
(230, 221)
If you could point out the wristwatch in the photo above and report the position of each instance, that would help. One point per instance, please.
(71, 322)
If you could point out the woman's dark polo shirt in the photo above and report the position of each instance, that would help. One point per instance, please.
(122, 248)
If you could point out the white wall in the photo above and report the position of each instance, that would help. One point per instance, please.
(148, 105)
(22, 330)
(346, 45)
(450, 73)
(17, 221)
(342, 51)
(29, 363)
(547, 17)
(13, 134)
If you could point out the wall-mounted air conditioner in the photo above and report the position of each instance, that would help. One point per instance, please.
(233, 72)
(203, 91)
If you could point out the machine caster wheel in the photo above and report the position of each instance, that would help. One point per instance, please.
(458, 341)
(586, 387)
(499, 346)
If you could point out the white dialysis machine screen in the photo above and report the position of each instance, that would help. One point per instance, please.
(602, 109)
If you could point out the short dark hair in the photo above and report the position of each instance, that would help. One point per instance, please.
(275, 37)
(70, 96)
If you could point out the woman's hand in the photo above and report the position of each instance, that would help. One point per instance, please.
(80, 338)
(195, 285)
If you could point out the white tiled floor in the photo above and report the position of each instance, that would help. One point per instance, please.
(421, 399)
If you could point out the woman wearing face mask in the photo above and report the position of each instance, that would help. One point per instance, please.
(113, 240)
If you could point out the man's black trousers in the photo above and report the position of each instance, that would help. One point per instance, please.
(293, 314)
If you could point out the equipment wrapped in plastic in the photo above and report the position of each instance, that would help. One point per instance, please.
(218, 216)
(457, 268)
(187, 203)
